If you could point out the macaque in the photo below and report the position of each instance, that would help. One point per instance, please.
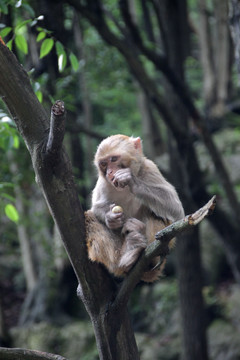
(131, 202)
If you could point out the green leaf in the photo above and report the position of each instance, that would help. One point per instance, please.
(74, 62)
(59, 48)
(39, 96)
(46, 47)
(41, 36)
(22, 24)
(12, 213)
(21, 43)
(62, 61)
(16, 141)
(4, 32)
(39, 29)
(9, 44)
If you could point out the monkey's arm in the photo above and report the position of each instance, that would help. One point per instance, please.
(153, 190)
(162, 200)
(102, 208)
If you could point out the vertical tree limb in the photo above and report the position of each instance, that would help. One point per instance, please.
(57, 129)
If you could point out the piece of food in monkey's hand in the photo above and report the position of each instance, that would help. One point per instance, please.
(117, 209)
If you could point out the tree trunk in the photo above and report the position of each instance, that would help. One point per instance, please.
(191, 301)
(205, 39)
(173, 17)
(234, 17)
(114, 335)
(150, 132)
(223, 52)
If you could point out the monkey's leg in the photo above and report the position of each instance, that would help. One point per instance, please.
(103, 245)
(134, 242)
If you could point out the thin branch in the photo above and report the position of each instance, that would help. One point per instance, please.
(25, 354)
(115, 21)
(78, 128)
(127, 17)
(160, 248)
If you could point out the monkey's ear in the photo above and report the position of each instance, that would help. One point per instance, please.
(137, 143)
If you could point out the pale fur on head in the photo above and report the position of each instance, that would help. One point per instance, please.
(129, 148)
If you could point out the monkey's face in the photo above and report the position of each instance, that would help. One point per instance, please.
(110, 168)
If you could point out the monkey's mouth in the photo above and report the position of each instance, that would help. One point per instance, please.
(118, 186)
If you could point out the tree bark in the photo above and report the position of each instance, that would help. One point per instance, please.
(234, 17)
(223, 52)
(205, 39)
(190, 295)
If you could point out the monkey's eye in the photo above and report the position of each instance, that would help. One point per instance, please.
(103, 164)
(114, 158)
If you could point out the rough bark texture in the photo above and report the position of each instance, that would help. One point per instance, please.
(191, 301)
(234, 17)
(205, 39)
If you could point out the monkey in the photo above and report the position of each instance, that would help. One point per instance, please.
(131, 202)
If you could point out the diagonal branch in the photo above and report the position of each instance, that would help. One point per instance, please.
(160, 248)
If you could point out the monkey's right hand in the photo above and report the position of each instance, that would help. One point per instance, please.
(114, 220)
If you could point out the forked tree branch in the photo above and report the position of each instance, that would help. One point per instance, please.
(25, 354)
(160, 248)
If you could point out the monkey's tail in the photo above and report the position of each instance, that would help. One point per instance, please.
(156, 271)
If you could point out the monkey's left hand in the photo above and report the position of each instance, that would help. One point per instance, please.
(122, 178)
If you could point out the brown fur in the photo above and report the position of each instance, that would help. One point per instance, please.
(105, 247)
